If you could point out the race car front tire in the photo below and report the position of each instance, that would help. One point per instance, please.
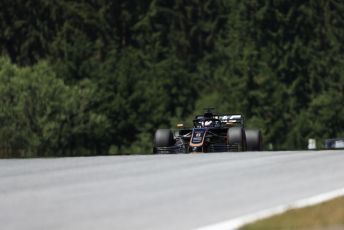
(236, 137)
(162, 138)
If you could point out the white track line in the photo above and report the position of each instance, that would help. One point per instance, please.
(240, 221)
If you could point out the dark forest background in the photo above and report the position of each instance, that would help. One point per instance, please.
(98, 77)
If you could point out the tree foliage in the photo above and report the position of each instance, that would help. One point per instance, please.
(42, 116)
(98, 77)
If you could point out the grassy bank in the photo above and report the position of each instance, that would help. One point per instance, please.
(328, 215)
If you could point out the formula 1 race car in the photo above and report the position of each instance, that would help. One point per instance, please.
(210, 133)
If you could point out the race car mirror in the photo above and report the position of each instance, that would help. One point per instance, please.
(180, 125)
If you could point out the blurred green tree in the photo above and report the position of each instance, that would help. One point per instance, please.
(41, 116)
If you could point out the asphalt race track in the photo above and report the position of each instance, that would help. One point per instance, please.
(185, 191)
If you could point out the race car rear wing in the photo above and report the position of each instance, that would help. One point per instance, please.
(228, 120)
(231, 120)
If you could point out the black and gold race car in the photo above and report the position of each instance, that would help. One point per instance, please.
(210, 133)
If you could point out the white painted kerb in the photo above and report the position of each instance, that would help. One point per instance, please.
(240, 221)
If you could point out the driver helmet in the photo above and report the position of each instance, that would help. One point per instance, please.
(208, 123)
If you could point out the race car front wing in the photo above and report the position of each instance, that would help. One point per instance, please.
(184, 148)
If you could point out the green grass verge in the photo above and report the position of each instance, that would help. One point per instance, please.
(328, 215)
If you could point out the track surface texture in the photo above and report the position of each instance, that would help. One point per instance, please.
(185, 191)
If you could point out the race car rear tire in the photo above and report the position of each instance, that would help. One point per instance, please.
(236, 137)
(162, 138)
(254, 140)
